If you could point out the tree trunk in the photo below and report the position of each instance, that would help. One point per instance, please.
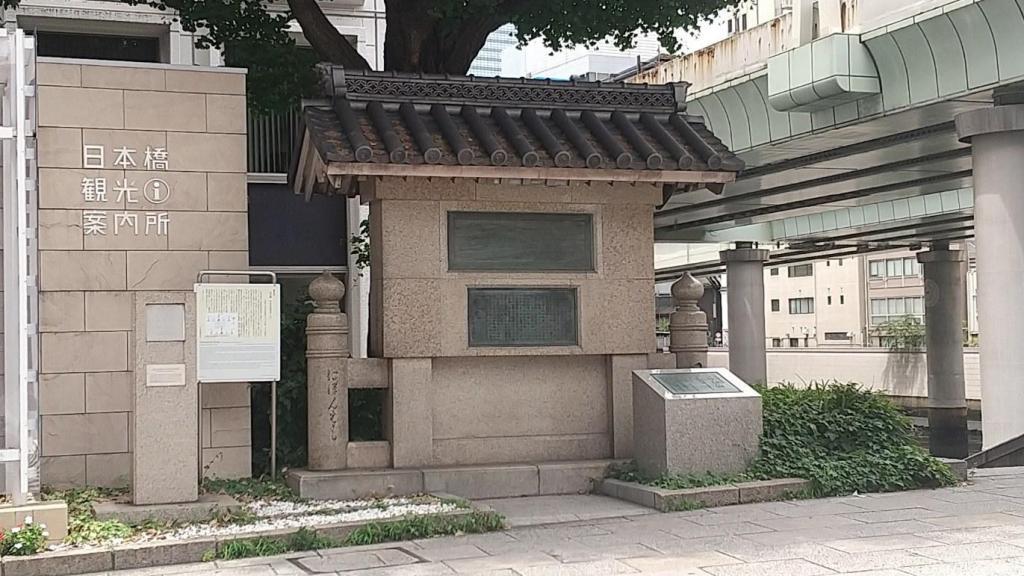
(418, 42)
(324, 37)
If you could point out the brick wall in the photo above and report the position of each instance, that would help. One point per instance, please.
(88, 278)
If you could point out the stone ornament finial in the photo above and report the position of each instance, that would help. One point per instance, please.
(687, 291)
(688, 326)
(327, 291)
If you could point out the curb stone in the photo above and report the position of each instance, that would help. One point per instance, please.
(710, 497)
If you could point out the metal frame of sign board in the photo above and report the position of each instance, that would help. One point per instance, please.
(744, 389)
(273, 383)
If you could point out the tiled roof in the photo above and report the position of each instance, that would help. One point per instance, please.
(392, 118)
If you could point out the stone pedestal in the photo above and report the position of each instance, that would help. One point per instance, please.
(944, 287)
(717, 432)
(997, 139)
(165, 407)
(688, 326)
(327, 375)
(744, 269)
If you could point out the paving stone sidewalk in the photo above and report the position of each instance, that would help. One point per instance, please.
(975, 530)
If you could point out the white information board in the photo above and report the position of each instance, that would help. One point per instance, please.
(239, 332)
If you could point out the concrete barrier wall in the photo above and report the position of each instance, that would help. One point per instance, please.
(895, 373)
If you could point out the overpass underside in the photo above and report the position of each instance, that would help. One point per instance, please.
(908, 136)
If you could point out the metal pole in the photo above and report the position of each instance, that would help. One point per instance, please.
(273, 430)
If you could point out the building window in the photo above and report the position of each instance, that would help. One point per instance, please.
(319, 243)
(828, 263)
(894, 268)
(98, 46)
(842, 16)
(744, 21)
(829, 300)
(815, 21)
(774, 272)
(886, 309)
(794, 342)
(834, 336)
(775, 305)
(520, 242)
(522, 317)
(801, 270)
(842, 299)
(840, 261)
(776, 342)
(801, 305)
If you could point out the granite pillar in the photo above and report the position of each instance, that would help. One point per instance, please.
(997, 139)
(944, 288)
(165, 404)
(327, 387)
(744, 268)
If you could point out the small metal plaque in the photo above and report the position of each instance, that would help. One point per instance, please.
(164, 375)
(695, 383)
(522, 317)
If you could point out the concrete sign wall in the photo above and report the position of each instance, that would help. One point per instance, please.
(142, 184)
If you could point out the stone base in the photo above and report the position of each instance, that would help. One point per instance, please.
(53, 513)
(207, 507)
(473, 482)
(959, 467)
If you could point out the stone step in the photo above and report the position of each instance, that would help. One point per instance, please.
(471, 482)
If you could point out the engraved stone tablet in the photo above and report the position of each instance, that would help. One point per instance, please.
(695, 383)
(520, 241)
(522, 317)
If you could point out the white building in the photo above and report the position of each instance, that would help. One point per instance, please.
(491, 57)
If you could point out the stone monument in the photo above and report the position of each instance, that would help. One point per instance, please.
(694, 421)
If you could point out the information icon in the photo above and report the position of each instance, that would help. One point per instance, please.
(157, 191)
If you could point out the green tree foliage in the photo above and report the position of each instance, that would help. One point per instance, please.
(434, 36)
(905, 334)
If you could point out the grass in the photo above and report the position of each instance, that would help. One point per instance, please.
(415, 527)
(407, 528)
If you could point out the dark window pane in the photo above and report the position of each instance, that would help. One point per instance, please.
(98, 46)
(522, 317)
(285, 230)
(520, 241)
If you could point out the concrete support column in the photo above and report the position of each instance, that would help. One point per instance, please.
(688, 326)
(944, 287)
(997, 138)
(744, 269)
(327, 375)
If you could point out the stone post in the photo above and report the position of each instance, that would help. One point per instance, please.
(688, 326)
(744, 269)
(944, 287)
(326, 380)
(997, 141)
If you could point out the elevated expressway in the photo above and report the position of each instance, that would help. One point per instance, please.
(907, 135)
(849, 140)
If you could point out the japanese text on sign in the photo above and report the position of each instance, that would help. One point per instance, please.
(239, 332)
(125, 192)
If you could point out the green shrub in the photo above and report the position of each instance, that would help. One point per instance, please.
(83, 527)
(843, 439)
(24, 540)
